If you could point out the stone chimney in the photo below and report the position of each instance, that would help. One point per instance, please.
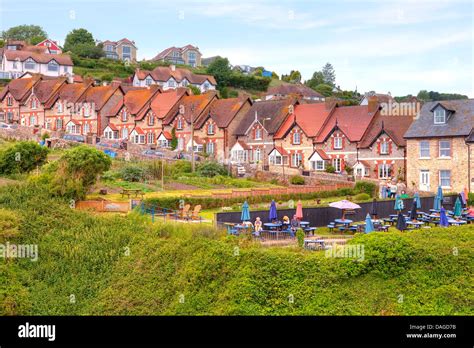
(373, 104)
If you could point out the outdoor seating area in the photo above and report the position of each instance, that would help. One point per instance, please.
(184, 214)
(273, 229)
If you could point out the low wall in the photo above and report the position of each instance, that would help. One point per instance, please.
(104, 206)
(321, 216)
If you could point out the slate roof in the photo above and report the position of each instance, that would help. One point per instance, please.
(194, 105)
(223, 111)
(394, 126)
(276, 110)
(459, 123)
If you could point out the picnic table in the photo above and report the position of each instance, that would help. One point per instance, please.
(456, 222)
(319, 242)
(416, 224)
(272, 226)
(131, 192)
(304, 224)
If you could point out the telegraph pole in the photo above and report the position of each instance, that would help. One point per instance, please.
(192, 139)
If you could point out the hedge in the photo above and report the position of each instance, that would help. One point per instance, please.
(210, 202)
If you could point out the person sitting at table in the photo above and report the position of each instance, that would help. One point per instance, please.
(295, 223)
(247, 224)
(285, 222)
(258, 225)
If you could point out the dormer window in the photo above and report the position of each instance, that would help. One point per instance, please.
(384, 148)
(440, 116)
(60, 108)
(148, 81)
(30, 64)
(53, 66)
(9, 101)
(33, 103)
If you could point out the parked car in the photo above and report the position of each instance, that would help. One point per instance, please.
(75, 137)
(241, 171)
(8, 126)
(153, 153)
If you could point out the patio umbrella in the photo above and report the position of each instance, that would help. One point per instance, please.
(418, 201)
(457, 207)
(463, 198)
(413, 213)
(398, 203)
(299, 211)
(437, 203)
(344, 205)
(369, 226)
(440, 195)
(373, 209)
(245, 212)
(401, 223)
(273, 212)
(443, 219)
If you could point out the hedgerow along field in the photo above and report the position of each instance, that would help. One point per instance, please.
(125, 265)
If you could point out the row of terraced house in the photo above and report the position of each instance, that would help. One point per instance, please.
(425, 147)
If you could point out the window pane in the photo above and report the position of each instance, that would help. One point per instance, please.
(424, 149)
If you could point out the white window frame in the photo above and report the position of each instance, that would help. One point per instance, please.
(384, 171)
(384, 147)
(337, 143)
(51, 64)
(210, 129)
(124, 115)
(296, 138)
(296, 159)
(124, 133)
(151, 120)
(179, 124)
(210, 147)
(439, 116)
(444, 149)
(150, 138)
(30, 62)
(337, 164)
(86, 128)
(448, 172)
(424, 146)
(258, 134)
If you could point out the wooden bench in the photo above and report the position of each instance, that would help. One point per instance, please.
(131, 192)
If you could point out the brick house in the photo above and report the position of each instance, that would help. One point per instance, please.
(121, 120)
(215, 129)
(382, 149)
(254, 134)
(59, 109)
(439, 147)
(190, 109)
(342, 132)
(296, 136)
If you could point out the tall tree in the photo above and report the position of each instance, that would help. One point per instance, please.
(25, 33)
(220, 69)
(293, 77)
(329, 74)
(315, 80)
(423, 95)
(78, 37)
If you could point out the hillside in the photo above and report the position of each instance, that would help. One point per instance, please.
(112, 265)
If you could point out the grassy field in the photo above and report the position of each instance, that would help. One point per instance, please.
(111, 265)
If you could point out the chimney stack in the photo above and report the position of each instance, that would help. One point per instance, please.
(373, 104)
(173, 67)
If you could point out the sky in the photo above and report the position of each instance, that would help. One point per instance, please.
(399, 47)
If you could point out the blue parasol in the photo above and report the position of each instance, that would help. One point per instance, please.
(245, 212)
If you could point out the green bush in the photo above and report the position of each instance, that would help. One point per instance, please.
(76, 171)
(181, 167)
(9, 224)
(471, 198)
(211, 169)
(132, 173)
(362, 197)
(330, 169)
(366, 187)
(297, 180)
(300, 237)
(22, 157)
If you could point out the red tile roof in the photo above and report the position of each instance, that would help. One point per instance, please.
(62, 59)
(243, 144)
(45, 89)
(309, 117)
(163, 103)
(281, 150)
(351, 120)
(194, 105)
(99, 95)
(135, 100)
(322, 154)
(167, 135)
(20, 88)
(138, 130)
(223, 111)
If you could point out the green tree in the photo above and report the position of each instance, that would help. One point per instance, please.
(25, 33)
(275, 76)
(293, 77)
(329, 74)
(174, 140)
(194, 89)
(220, 69)
(315, 80)
(81, 43)
(325, 90)
(423, 95)
(22, 157)
(77, 171)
